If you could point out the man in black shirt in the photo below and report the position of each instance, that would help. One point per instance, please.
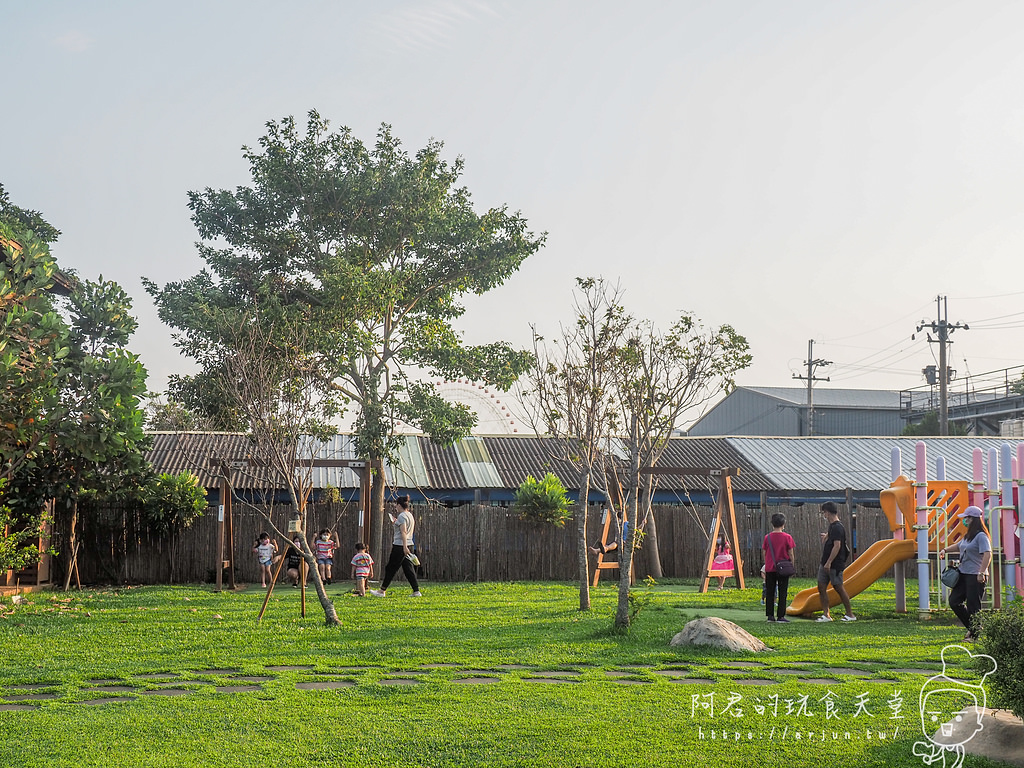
(834, 554)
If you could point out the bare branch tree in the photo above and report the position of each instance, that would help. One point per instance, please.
(660, 379)
(573, 396)
(286, 402)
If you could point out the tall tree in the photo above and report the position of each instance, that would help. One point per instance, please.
(573, 393)
(97, 429)
(69, 409)
(662, 379)
(378, 247)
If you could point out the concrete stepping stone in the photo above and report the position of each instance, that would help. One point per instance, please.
(670, 672)
(478, 672)
(475, 680)
(620, 673)
(288, 668)
(555, 673)
(786, 671)
(110, 688)
(107, 700)
(441, 666)
(237, 688)
(744, 665)
(31, 686)
(252, 678)
(321, 685)
(846, 671)
(819, 680)
(166, 692)
(217, 671)
(630, 681)
(32, 696)
(514, 666)
(159, 676)
(911, 671)
(16, 707)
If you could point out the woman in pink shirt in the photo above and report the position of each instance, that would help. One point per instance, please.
(778, 548)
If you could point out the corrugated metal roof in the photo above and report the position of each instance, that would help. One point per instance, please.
(176, 452)
(337, 447)
(517, 457)
(477, 466)
(860, 463)
(712, 453)
(771, 464)
(443, 466)
(409, 471)
(825, 397)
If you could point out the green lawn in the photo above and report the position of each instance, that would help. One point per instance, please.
(400, 668)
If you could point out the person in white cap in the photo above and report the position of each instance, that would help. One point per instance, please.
(975, 550)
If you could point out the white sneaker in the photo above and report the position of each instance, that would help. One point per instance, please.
(417, 593)
(378, 593)
(823, 618)
(849, 618)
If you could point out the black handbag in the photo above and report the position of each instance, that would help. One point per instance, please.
(950, 576)
(785, 568)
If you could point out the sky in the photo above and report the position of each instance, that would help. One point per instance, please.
(798, 170)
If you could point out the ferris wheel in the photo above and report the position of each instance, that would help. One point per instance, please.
(494, 409)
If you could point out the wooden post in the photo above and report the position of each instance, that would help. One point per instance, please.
(219, 569)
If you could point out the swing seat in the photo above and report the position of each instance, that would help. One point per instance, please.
(716, 574)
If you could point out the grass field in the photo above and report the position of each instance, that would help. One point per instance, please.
(471, 674)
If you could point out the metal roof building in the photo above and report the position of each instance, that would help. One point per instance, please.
(782, 412)
(490, 469)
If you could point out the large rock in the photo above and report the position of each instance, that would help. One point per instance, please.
(720, 634)
(1001, 736)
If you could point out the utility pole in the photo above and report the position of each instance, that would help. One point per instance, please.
(811, 378)
(942, 328)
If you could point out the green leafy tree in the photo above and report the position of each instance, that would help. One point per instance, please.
(376, 248)
(97, 428)
(929, 427)
(542, 500)
(17, 223)
(170, 505)
(69, 415)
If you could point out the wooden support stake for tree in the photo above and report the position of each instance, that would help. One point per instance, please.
(270, 588)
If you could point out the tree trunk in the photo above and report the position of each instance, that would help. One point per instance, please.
(377, 486)
(330, 614)
(626, 545)
(581, 540)
(651, 528)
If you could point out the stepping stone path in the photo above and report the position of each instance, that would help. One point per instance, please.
(229, 680)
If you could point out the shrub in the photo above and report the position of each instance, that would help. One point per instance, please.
(1002, 638)
(543, 500)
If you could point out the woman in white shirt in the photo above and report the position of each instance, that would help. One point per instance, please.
(402, 555)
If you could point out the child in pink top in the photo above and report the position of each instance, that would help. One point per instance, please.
(362, 568)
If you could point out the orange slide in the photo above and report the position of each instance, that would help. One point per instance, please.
(868, 568)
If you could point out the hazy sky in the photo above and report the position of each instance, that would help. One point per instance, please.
(796, 169)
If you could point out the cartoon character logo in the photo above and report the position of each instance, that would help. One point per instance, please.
(952, 706)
